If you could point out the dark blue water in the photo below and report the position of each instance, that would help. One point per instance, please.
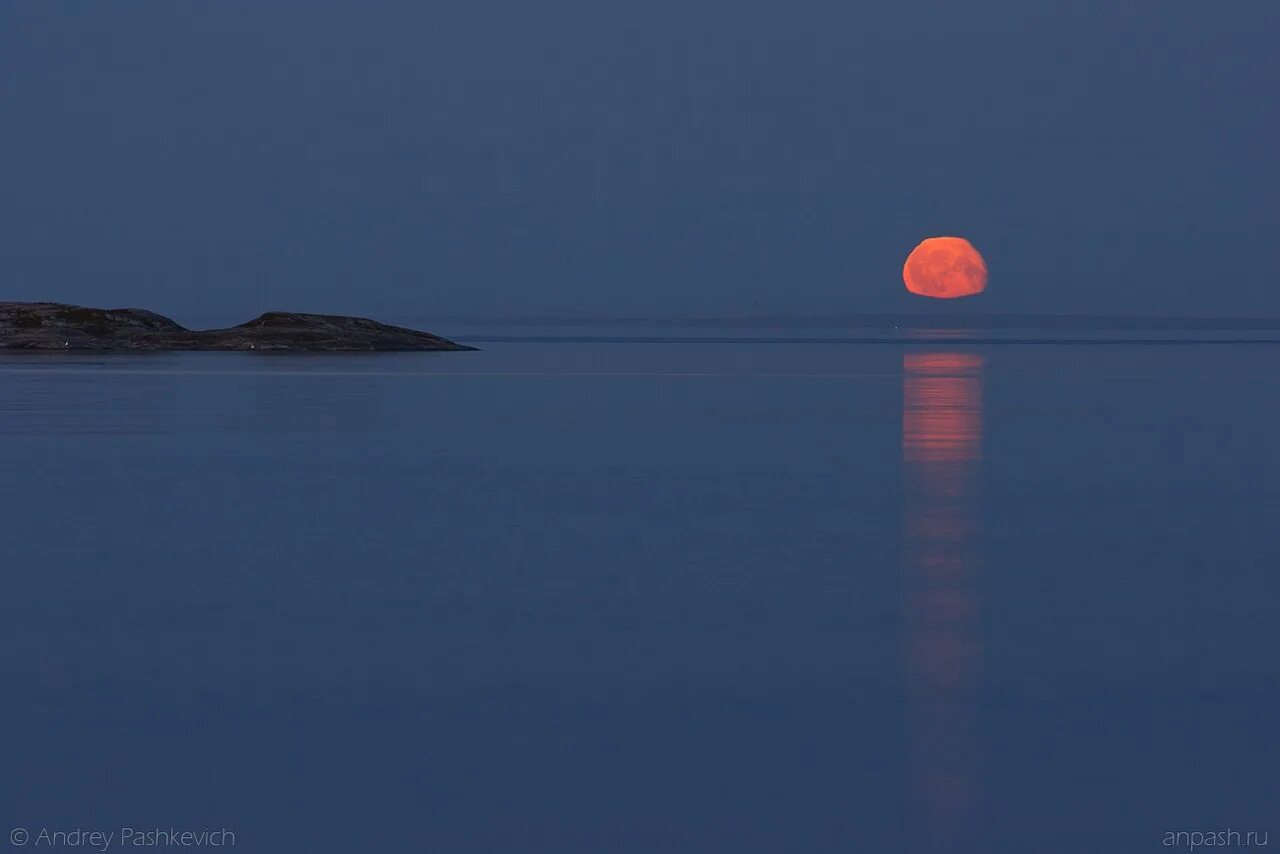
(641, 597)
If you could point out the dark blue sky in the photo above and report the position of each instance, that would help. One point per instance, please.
(508, 157)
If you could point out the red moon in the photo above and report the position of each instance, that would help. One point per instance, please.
(945, 268)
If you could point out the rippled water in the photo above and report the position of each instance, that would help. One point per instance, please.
(589, 596)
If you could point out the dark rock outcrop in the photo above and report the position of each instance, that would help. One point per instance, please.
(55, 326)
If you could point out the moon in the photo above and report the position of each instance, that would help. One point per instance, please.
(945, 268)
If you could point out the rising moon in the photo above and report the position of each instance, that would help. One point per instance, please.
(945, 268)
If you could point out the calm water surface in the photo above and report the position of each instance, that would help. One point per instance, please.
(642, 597)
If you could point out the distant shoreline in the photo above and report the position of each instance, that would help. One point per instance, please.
(59, 327)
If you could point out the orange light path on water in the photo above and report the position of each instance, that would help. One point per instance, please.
(941, 454)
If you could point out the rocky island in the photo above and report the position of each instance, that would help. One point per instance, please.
(56, 326)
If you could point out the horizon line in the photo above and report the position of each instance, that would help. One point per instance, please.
(883, 319)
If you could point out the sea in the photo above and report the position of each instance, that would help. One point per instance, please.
(613, 589)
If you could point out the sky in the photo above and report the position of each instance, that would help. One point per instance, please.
(658, 158)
